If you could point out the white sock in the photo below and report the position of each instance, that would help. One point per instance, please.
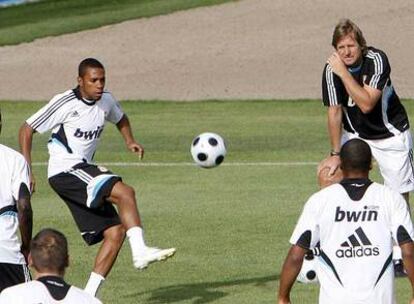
(94, 282)
(396, 253)
(136, 240)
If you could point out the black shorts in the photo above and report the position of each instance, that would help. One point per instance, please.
(13, 274)
(85, 189)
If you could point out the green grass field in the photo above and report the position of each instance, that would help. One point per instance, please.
(230, 224)
(24, 23)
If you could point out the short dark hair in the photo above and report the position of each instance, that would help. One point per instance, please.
(88, 63)
(356, 156)
(49, 251)
(346, 27)
(0, 120)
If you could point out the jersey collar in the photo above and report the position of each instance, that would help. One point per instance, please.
(79, 96)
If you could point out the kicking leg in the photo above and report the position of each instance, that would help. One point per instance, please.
(123, 196)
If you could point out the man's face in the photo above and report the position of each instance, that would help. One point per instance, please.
(92, 83)
(349, 50)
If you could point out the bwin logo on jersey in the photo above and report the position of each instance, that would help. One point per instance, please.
(358, 245)
(89, 135)
(367, 215)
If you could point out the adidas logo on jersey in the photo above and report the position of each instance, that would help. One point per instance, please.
(355, 216)
(358, 245)
(89, 135)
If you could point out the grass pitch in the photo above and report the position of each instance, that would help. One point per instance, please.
(230, 224)
(24, 23)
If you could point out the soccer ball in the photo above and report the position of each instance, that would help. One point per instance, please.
(208, 150)
(307, 273)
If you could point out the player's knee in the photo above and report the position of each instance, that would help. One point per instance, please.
(115, 234)
(124, 194)
(325, 180)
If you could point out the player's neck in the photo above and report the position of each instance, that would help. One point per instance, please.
(356, 175)
(48, 274)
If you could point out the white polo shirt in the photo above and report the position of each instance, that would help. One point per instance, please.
(355, 222)
(76, 124)
(14, 172)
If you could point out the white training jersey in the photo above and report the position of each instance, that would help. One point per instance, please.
(35, 292)
(76, 125)
(355, 223)
(14, 172)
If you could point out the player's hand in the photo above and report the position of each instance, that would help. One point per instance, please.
(331, 162)
(329, 172)
(136, 148)
(337, 65)
(32, 182)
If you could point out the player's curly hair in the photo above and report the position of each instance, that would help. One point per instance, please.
(346, 27)
(49, 251)
(356, 156)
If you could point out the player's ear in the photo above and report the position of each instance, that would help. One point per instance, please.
(80, 81)
(30, 260)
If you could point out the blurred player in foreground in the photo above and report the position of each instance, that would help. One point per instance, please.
(355, 222)
(49, 257)
(77, 118)
(15, 214)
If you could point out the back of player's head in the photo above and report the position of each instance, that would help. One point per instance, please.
(88, 63)
(356, 156)
(0, 121)
(346, 27)
(49, 251)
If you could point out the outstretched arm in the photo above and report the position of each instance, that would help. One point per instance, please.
(365, 97)
(290, 271)
(124, 128)
(25, 140)
(25, 216)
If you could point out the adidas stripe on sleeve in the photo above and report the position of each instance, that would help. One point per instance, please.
(51, 114)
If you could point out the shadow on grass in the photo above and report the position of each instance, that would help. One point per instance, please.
(201, 292)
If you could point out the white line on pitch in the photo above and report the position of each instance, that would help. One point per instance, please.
(183, 164)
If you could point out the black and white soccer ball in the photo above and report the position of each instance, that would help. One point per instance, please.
(208, 150)
(308, 273)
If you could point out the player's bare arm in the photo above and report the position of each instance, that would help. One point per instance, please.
(365, 97)
(25, 216)
(290, 270)
(335, 132)
(25, 142)
(407, 251)
(124, 128)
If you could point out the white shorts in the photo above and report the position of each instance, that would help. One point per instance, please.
(394, 156)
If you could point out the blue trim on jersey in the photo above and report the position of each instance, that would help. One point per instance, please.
(10, 213)
(355, 69)
(98, 187)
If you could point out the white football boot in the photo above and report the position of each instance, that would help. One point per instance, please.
(151, 255)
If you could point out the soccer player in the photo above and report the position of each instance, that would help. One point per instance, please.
(355, 222)
(77, 118)
(15, 214)
(49, 257)
(362, 103)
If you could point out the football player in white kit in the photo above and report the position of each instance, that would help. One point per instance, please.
(49, 257)
(356, 222)
(15, 215)
(77, 119)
